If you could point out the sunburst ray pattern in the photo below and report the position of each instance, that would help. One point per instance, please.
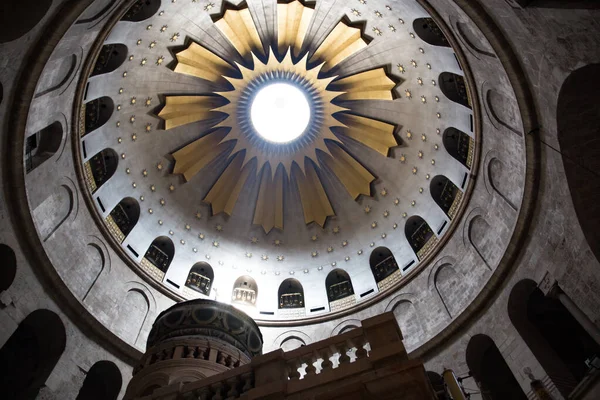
(300, 161)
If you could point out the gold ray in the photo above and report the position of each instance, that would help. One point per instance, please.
(183, 110)
(238, 27)
(376, 134)
(225, 192)
(196, 155)
(369, 85)
(293, 20)
(350, 172)
(315, 203)
(269, 207)
(340, 44)
(202, 63)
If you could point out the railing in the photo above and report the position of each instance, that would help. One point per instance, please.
(378, 343)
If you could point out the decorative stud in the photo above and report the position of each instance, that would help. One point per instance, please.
(437, 99)
(201, 236)
(150, 211)
(163, 28)
(264, 257)
(123, 156)
(209, 6)
(420, 190)
(198, 215)
(149, 27)
(119, 140)
(120, 90)
(253, 240)
(314, 254)
(388, 8)
(139, 41)
(219, 228)
(305, 271)
(344, 243)
(347, 258)
(433, 82)
(378, 14)
(145, 173)
(124, 74)
(333, 264)
(159, 166)
(359, 252)
(174, 37)
(367, 209)
(280, 258)
(396, 201)
(160, 222)
(432, 162)
(414, 170)
(127, 171)
(336, 230)
(118, 124)
(436, 146)
(424, 137)
(144, 61)
(386, 214)
(153, 188)
(182, 241)
(314, 238)
(132, 119)
(187, 227)
(438, 115)
(160, 60)
(377, 31)
(420, 81)
(392, 28)
(131, 57)
(141, 198)
(215, 243)
(401, 68)
(133, 100)
(438, 131)
(162, 202)
(420, 154)
(412, 35)
(413, 203)
(413, 63)
(421, 50)
(160, 14)
(171, 188)
(148, 101)
(427, 176)
(402, 158)
(134, 185)
(356, 12)
(329, 249)
(401, 21)
(404, 215)
(383, 192)
(383, 235)
(152, 44)
(373, 224)
(428, 66)
(423, 99)
(148, 127)
(408, 94)
(395, 225)
(320, 268)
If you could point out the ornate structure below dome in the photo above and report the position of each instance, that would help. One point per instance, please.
(194, 340)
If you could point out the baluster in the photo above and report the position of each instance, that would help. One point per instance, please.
(204, 393)
(310, 367)
(247, 377)
(361, 352)
(221, 358)
(203, 353)
(326, 364)
(218, 391)
(191, 352)
(343, 350)
(233, 392)
(293, 373)
(229, 362)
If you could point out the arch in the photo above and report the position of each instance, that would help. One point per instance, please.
(8, 260)
(338, 285)
(479, 238)
(345, 326)
(160, 253)
(291, 294)
(54, 211)
(132, 315)
(93, 12)
(291, 343)
(499, 178)
(408, 321)
(95, 261)
(100, 168)
(97, 113)
(245, 291)
(459, 145)
(445, 194)
(382, 263)
(430, 32)
(110, 58)
(420, 236)
(62, 72)
(200, 278)
(123, 218)
(555, 338)
(500, 110)
(141, 10)
(30, 355)
(102, 382)
(490, 371)
(454, 87)
(19, 17)
(472, 41)
(42, 145)
(291, 338)
(450, 286)
(577, 124)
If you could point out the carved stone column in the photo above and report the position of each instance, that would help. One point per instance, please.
(194, 340)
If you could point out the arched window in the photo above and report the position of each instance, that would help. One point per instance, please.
(141, 10)
(200, 278)
(490, 371)
(245, 291)
(42, 145)
(97, 113)
(577, 120)
(100, 168)
(459, 145)
(430, 32)
(30, 355)
(553, 335)
(454, 88)
(384, 265)
(110, 58)
(102, 382)
(158, 257)
(291, 294)
(123, 218)
(340, 292)
(8, 260)
(420, 236)
(445, 194)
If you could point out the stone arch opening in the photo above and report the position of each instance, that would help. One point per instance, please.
(430, 32)
(454, 87)
(292, 343)
(420, 236)
(245, 291)
(446, 195)
(100, 168)
(42, 145)
(340, 291)
(123, 218)
(102, 382)
(489, 369)
(383, 265)
(200, 278)
(577, 122)
(110, 58)
(97, 113)
(291, 294)
(141, 10)
(19, 17)
(556, 339)
(459, 145)
(159, 255)
(8, 260)
(30, 355)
